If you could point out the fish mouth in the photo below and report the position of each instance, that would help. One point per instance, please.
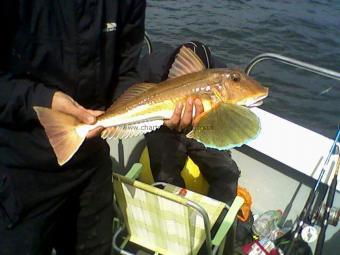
(255, 102)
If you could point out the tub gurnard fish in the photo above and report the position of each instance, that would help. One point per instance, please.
(225, 123)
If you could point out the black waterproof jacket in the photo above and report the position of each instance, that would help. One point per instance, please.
(85, 48)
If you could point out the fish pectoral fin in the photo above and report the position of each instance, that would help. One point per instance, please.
(131, 130)
(186, 62)
(225, 126)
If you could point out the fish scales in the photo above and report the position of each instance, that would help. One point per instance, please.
(164, 96)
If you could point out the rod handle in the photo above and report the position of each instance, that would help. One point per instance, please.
(321, 240)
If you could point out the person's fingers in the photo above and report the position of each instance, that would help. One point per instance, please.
(187, 115)
(94, 132)
(96, 113)
(64, 103)
(86, 115)
(173, 122)
(199, 109)
(83, 115)
(184, 118)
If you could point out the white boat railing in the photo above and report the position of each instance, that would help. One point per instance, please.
(292, 62)
(148, 42)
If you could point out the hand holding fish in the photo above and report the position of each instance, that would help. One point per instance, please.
(64, 103)
(181, 119)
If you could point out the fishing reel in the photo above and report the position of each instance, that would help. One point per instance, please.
(334, 215)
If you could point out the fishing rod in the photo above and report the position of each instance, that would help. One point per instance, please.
(329, 204)
(308, 205)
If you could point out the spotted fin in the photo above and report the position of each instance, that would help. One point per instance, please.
(226, 126)
(186, 62)
(131, 130)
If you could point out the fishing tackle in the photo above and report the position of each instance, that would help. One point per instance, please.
(329, 204)
(303, 217)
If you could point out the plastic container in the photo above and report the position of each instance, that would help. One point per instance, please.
(265, 226)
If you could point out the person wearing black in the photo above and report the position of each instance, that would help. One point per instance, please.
(169, 148)
(70, 56)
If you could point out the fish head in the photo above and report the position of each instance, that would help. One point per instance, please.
(239, 88)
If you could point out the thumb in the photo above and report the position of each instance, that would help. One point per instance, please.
(95, 113)
(64, 103)
(84, 116)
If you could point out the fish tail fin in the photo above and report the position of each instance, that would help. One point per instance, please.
(62, 131)
(226, 126)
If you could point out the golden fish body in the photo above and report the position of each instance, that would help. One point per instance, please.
(159, 101)
(143, 107)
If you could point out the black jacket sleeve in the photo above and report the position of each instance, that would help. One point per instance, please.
(18, 95)
(153, 67)
(130, 41)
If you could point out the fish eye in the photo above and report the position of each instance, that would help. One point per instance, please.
(236, 77)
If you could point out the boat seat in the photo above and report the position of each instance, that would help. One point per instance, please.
(166, 221)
